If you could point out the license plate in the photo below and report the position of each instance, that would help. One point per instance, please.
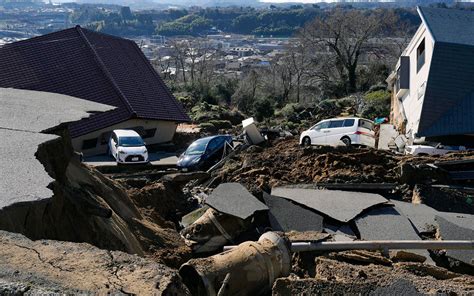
(134, 158)
(185, 169)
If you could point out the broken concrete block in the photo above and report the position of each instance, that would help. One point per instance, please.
(339, 205)
(285, 215)
(234, 199)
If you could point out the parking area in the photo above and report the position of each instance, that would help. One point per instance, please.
(158, 159)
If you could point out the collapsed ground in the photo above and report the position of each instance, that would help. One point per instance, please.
(147, 210)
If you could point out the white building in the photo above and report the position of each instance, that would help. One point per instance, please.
(433, 84)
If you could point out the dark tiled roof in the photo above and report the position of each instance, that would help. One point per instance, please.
(448, 106)
(449, 25)
(91, 66)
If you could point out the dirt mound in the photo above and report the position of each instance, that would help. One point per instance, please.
(161, 201)
(49, 267)
(287, 163)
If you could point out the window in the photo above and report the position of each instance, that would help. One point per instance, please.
(149, 133)
(213, 145)
(336, 123)
(366, 124)
(89, 144)
(420, 55)
(319, 126)
(104, 138)
(349, 122)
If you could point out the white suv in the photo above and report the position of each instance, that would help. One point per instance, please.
(340, 131)
(126, 146)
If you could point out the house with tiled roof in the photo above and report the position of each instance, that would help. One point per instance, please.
(99, 68)
(433, 84)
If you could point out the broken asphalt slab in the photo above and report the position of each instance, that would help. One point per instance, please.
(342, 206)
(286, 216)
(234, 199)
(386, 223)
(22, 177)
(457, 227)
(23, 116)
(421, 216)
(37, 111)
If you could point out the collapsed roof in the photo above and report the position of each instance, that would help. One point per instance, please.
(92, 66)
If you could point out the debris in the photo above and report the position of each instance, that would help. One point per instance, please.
(307, 236)
(333, 277)
(386, 223)
(285, 215)
(253, 267)
(213, 230)
(452, 228)
(185, 177)
(424, 270)
(362, 187)
(235, 200)
(252, 132)
(339, 205)
(361, 257)
(190, 218)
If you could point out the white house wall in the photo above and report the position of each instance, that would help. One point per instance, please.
(164, 133)
(412, 100)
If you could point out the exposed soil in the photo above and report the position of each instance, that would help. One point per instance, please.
(48, 267)
(285, 162)
(332, 276)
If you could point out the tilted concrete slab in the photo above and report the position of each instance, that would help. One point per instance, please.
(339, 205)
(386, 223)
(457, 227)
(23, 115)
(420, 215)
(234, 199)
(36, 111)
(286, 216)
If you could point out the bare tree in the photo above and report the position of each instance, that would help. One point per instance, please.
(346, 34)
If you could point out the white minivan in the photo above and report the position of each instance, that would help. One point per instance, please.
(126, 146)
(340, 131)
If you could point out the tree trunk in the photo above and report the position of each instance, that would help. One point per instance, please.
(352, 77)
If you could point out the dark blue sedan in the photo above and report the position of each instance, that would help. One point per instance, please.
(204, 153)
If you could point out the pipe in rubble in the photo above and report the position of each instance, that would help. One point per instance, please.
(380, 245)
(248, 269)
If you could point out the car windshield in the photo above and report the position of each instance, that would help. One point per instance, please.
(197, 148)
(130, 141)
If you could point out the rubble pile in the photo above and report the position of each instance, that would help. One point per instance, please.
(287, 163)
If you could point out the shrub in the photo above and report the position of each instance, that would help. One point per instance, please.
(263, 109)
(376, 104)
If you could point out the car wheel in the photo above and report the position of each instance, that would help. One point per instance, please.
(306, 142)
(346, 141)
